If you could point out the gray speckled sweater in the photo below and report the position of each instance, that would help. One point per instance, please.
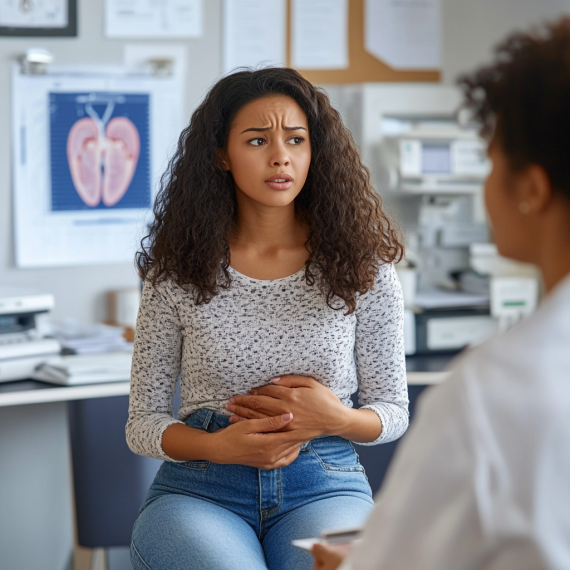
(257, 330)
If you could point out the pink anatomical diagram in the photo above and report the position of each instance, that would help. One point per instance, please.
(102, 165)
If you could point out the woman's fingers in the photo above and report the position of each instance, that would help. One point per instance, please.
(236, 419)
(288, 457)
(246, 413)
(294, 381)
(279, 392)
(264, 404)
(270, 424)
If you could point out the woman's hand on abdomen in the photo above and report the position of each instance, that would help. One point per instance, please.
(260, 443)
(316, 410)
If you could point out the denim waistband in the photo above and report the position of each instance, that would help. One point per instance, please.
(206, 416)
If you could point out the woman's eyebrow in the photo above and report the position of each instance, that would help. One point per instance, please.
(261, 129)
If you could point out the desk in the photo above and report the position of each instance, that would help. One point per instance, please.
(34, 392)
(36, 502)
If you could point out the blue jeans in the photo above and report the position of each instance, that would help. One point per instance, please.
(206, 516)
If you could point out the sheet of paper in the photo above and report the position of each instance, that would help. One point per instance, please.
(405, 34)
(70, 208)
(34, 13)
(306, 543)
(153, 18)
(253, 33)
(319, 34)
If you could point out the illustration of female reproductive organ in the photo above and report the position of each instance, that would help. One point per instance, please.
(102, 163)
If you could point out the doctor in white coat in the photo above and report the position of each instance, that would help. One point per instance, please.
(482, 480)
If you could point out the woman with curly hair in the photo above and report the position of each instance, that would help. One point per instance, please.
(269, 288)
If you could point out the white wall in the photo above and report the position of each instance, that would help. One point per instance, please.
(470, 28)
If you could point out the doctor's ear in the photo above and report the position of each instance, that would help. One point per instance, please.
(221, 160)
(536, 190)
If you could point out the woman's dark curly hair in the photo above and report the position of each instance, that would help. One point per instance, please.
(523, 99)
(349, 235)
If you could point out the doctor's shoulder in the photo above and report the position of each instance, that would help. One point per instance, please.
(537, 345)
(528, 364)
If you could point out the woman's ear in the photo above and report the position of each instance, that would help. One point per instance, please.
(221, 159)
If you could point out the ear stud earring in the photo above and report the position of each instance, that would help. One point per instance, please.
(524, 208)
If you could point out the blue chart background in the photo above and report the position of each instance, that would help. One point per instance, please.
(64, 112)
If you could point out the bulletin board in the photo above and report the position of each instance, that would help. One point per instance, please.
(363, 66)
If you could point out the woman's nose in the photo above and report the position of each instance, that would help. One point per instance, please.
(280, 157)
(281, 161)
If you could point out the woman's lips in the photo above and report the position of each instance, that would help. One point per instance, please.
(278, 182)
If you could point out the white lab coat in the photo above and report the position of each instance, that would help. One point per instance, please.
(482, 479)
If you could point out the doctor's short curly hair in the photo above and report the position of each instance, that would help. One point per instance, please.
(523, 98)
(349, 237)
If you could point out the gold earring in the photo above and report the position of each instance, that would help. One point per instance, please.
(524, 208)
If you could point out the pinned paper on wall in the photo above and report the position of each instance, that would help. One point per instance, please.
(405, 34)
(319, 34)
(153, 19)
(254, 33)
(89, 145)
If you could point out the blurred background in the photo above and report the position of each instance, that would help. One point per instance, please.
(84, 82)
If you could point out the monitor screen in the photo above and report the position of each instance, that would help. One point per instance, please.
(436, 158)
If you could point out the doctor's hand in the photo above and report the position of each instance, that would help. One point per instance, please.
(329, 557)
(315, 408)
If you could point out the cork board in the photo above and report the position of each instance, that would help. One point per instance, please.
(363, 67)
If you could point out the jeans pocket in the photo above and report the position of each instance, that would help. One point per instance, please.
(336, 454)
(202, 420)
(196, 465)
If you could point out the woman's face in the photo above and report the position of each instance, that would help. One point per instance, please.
(504, 194)
(269, 151)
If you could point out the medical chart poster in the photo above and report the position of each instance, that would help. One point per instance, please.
(99, 217)
(99, 150)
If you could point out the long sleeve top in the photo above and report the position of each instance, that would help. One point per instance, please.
(257, 330)
(482, 479)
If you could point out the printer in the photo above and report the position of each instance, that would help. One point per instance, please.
(444, 160)
(22, 343)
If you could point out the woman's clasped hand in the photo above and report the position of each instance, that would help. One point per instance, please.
(316, 409)
(256, 444)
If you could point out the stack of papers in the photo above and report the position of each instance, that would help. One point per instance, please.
(443, 299)
(75, 370)
(90, 339)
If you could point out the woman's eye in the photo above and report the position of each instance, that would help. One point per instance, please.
(256, 142)
(296, 140)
